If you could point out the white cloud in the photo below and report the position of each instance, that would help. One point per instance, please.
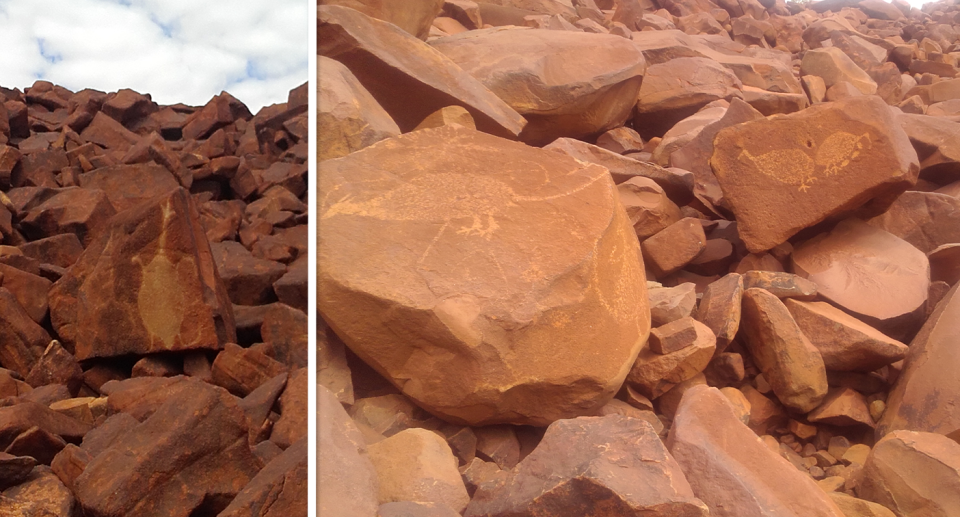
(176, 50)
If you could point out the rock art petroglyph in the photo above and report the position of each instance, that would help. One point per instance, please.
(793, 166)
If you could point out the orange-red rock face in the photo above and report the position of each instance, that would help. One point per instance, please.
(513, 272)
(147, 284)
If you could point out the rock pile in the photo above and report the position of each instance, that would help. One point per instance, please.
(153, 292)
(638, 257)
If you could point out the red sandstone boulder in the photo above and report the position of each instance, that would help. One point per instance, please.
(783, 174)
(156, 246)
(375, 50)
(488, 284)
(566, 84)
(927, 388)
(590, 466)
(348, 117)
(731, 470)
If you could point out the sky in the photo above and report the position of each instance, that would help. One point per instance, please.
(176, 50)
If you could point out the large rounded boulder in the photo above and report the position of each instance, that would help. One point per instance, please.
(490, 281)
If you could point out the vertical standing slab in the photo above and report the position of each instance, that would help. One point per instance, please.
(146, 284)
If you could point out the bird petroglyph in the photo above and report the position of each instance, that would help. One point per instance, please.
(445, 199)
(796, 167)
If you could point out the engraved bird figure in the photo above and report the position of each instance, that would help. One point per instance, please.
(785, 165)
(795, 166)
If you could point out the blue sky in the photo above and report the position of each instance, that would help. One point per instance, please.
(176, 50)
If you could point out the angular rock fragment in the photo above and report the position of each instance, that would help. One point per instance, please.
(647, 206)
(669, 304)
(178, 303)
(789, 362)
(842, 407)
(417, 465)
(346, 479)
(784, 174)
(566, 84)
(914, 473)
(720, 308)
(590, 466)
(192, 449)
(387, 60)
(926, 389)
(413, 17)
(471, 217)
(279, 489)
(348, 117)
(844, 342)
(656, 372)
(731, 470)
(674, 246)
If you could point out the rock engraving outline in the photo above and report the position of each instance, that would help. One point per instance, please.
(795, 165)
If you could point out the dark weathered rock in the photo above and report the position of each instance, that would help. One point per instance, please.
(177, 302)
(278, 490)
(193, 450)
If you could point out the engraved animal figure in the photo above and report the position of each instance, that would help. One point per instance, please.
(451, 197)
(796, 167)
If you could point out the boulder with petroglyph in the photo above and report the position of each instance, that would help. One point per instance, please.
(498, 282)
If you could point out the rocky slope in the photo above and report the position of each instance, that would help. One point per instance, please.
(638, 257)
(153, 284)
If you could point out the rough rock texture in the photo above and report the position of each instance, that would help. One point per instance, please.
(926, 390)
(386, 60)
(730, 469)
(114, 311)
(348, 117)
(789, 362)
(592, 466)
(865, 270)
(914, 473)
(784, 174)
(566, 84)
(465, 310)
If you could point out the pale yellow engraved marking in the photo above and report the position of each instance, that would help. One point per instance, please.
(796, 167)
(160, 298)
(444, 198)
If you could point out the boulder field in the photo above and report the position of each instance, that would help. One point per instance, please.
(658, 258)
(153, 299)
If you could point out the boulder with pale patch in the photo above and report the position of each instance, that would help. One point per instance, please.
(146, 284)
(482, 276)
